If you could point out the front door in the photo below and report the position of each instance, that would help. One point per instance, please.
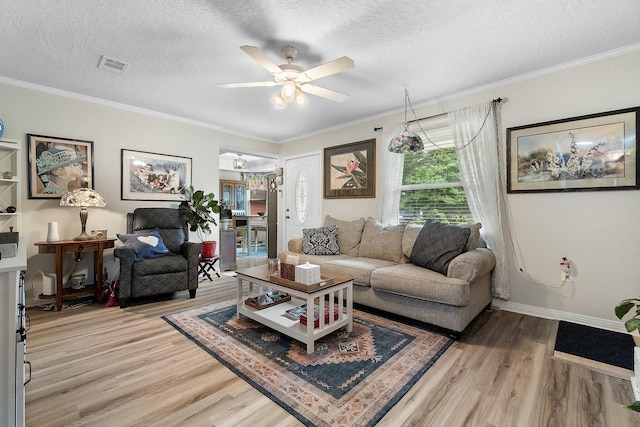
(303, 194)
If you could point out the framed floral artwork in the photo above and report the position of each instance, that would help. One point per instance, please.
(350, 170)
(586, 153)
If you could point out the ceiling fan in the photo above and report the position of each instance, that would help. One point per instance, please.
(293, 78)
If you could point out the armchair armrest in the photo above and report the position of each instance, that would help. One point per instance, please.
(191, 251)
(126, 255)
(295, 245)
(471, 265)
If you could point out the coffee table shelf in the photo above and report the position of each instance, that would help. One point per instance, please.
(274, 318)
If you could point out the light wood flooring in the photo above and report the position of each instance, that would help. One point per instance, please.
(97, 366)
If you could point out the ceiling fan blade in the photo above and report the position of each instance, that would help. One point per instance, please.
(324, 93)
(261, 59)
(332, 67)
(248, 84)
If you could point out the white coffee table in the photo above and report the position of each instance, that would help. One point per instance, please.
(340, 291)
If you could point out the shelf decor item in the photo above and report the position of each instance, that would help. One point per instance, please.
(83, 198)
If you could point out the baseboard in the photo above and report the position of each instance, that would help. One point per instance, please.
(547, 313)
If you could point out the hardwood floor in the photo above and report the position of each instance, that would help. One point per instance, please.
(98, 366)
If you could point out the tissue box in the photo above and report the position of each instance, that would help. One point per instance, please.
(8, 244)
(308, 273)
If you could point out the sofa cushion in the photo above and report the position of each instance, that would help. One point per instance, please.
(437, 244)
(412, 230)
(474, 235)
(312, 259)
(359, 268)
(417, 282)
(409, 237)
(145, 245)
(320, 241)
(349, 234)
(381, 241)
(168, 264)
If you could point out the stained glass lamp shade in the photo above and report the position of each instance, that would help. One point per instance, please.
(83, 198)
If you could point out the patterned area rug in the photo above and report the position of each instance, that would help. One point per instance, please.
(352, 379)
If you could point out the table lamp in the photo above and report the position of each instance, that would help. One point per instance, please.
(83, 198)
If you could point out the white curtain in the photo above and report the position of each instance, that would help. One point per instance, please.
(389, 178)
(480, 169)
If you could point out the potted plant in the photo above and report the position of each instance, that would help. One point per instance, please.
(632, 324)
(198, 209)
(225, 216)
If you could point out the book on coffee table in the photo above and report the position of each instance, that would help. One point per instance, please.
(316, 316)
(295, 312)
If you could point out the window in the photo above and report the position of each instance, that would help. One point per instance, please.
(431, 184)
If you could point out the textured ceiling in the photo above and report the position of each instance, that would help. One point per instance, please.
(179, 49)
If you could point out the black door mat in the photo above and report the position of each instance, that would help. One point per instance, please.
(611, 348)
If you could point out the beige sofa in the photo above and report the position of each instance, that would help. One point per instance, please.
(378, 259)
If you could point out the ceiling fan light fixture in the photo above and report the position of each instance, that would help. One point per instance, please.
(288, 90)
(300, 99)
(406, 141)
(292, 77)
(278, 101)
(240, 163)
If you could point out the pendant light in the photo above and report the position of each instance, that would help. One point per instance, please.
(406, 141)
(240, 163)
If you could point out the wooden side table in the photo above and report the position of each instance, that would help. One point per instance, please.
(62, 247)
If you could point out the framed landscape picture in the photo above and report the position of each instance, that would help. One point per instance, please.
(58, 165)
(153, 176)
(350, 170)
(586, 153)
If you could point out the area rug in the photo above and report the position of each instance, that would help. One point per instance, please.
(596, 347)
(352, 379)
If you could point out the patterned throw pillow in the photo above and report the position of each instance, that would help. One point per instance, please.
(320, 241)
(145, 245)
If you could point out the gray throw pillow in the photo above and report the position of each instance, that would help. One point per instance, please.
(320, 241)
(437, 244)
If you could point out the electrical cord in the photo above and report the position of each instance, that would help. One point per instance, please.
(517, 250)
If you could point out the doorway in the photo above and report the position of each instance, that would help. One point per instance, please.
(303, 194)
(244, 181)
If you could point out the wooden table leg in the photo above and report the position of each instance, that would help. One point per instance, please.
(59, 278)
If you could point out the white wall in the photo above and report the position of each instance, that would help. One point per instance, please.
(596, 230)
(25, 110)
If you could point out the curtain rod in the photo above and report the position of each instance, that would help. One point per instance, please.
(376, 129)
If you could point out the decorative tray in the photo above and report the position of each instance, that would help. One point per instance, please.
(255, 303)
(324, 281)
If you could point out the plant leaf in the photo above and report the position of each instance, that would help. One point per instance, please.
(635, 406)
(624, 306)
(632, 324)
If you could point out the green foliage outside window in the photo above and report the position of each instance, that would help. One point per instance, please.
(440, 201)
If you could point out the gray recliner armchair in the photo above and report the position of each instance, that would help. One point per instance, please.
(165, 274)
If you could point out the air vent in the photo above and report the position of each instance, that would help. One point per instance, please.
(113, 65)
